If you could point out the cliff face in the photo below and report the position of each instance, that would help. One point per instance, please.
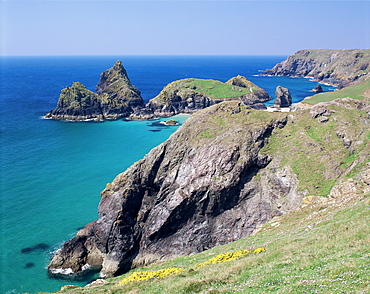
(190, 95)
(226, 170)
(338, 67)
(116, 98)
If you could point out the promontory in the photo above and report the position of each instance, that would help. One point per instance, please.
(337, 67)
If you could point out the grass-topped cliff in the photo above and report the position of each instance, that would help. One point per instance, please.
(189, 95)
(210, 88)
(338, 67)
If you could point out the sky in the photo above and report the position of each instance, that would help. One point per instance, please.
(208, 27)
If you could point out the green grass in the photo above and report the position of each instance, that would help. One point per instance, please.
(315, 152)
(321, 248)
(355, 92)
(216, 89)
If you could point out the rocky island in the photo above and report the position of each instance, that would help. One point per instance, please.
(337, 67)
(116, 98)
(190, 95)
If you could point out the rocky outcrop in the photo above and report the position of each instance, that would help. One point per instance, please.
(77, 103)
(226, 170)
(317, 89)
(121, 97)
(190, 95)
(338, 67)
(256, 94)
(283, 97)
(116, 98)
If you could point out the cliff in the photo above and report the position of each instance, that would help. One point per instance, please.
(338, 67)
(227, 170)
(190, 95)
(116, 98)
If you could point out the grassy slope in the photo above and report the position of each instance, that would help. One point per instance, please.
(313, 150)
(320, 248)
(355, 92)
(210, 88)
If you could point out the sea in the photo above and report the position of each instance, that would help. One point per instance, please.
(52, 172)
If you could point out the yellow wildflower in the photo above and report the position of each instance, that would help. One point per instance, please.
(141, 276)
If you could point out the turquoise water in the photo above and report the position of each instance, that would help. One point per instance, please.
(52, 172)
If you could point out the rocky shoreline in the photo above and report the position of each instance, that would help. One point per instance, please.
(340, 68)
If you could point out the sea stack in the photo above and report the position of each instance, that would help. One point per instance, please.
(317, 89)
(116, 98)
(78, 104)
(283, 97)
(121, 98)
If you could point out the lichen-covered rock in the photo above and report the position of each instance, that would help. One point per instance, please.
(283, 97)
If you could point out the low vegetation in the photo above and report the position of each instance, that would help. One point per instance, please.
(358, 91)
(320, 248)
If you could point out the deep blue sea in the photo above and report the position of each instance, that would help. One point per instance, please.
(52, 172)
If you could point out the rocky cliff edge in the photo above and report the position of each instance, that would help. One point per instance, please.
(226, 170)
(341, 68)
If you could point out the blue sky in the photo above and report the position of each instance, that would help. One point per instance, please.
(97, 27)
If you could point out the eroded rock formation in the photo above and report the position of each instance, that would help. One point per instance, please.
(116, 98)
(283, 97)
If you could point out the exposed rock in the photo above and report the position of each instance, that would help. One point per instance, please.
(122, 97)
(259, 106)
(77, 103)
(190, 95)
(171, 122)
(116, 98)
(256, 96)
(143, 114)
(338, 67)
(317, 89)
(283, 97)
(212, 182)
(189, 194)
(323, 119)
(321, 110)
